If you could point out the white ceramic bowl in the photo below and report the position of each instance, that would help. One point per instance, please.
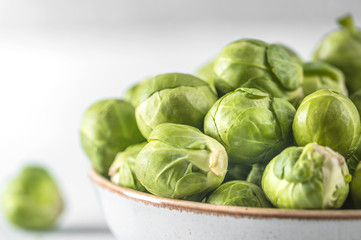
(133, 215)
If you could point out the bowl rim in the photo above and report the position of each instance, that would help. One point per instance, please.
(219, 210)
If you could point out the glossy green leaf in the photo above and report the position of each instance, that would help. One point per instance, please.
(181, 162)
(287, 72)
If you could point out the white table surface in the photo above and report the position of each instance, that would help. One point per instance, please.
(49, 75)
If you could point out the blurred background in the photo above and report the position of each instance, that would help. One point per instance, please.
(59, 57)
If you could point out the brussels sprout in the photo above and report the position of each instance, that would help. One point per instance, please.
(356, 187)
(237, 171)
(33, 200)
(255, 175)
(293, 55)
(320, 75)
(108, 127)
(181, 162)
(250, 173)
(356, 99)
(130, 95)
(310, 177)
(342, 48)
(255, 64)
(238, 193)
(330, 119)
(207, 74)
(354, 160)
(356, 157)
(252, 126)
(172, 98)
(121, 172)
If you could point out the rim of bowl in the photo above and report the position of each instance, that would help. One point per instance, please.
(219, 210)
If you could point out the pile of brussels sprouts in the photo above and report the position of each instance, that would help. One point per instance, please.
(255, 127)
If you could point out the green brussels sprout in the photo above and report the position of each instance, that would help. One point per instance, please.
(293, 55)
(356, 157)
(330, 119)
(130, 95)
(255, 175)
(310, 177)
(172, 98)
(121, 172)
(250, 173)
(356, 187)
(356, 99)
(238, 193)
(207, 74)
(251, 125)
(107, 128)
(255, 64)
(33, 200)
(237, 171)
(354, 160)
(342, 48)
(320, 75)
(181, 162)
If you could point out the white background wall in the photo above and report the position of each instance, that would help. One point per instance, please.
(44, 12)
(58, 57)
